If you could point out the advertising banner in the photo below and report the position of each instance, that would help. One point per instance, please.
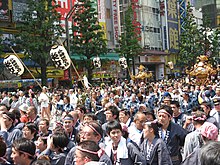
(173, 25)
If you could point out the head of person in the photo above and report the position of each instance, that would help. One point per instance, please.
(41, 143)
(91, 131)
(81, 110)
(139, 119)
(164, 115)
(23, 108)
(3, 148)
(210, 153)
(3, 108)
(58, 141)
(149, 115)
(23, 151)
(43, 125)
(66, 99)
(209, 132)
(175, 107)
(124, 115)
(30, 131)
(31, 112)
(86, 151)
(68, 123)
(150, 129)
(216, 103)
(8, 119)
(198, 118)
(114, 131)
(111, 113)
(88, 117)
(206, 107)
(142, 108)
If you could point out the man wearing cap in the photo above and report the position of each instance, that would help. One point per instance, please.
(215, 112)
(172, 134)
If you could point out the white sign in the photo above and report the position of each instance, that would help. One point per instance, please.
(116, 22)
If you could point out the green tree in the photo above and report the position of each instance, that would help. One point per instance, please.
(197, 40)
(189, 40)
(129, 45)
(87, 39)
(38, 31)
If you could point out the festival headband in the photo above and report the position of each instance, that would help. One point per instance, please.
(100, 152)
(90, 126)
(7, 116)
(68, 118)
(25, 153)
(200, 118)
(164, 111)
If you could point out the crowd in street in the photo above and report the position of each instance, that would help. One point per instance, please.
(168, 122)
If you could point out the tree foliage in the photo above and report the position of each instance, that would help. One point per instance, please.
(38, 30)
(88, 37)
(195, 41)
(129, 45)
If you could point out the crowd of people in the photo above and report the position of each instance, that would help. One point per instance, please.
(150, 123)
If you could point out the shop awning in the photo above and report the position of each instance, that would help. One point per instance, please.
(108, 56)
(154, 52)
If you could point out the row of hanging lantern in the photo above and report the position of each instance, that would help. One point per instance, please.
(58, 55)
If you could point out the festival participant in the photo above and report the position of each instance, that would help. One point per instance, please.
(41, 144)
(172, 134)
(124, 117)
(87, 151)
(193, 139)
(31, 100)
(117, 148)
(5, 98)
(178, 116)
(69, 127)
(207, 107)
(43, 127)
(23, 111)
(136, 129)
(67, 107)
(88, 117)
(15, 103)
(33, 115)
(209, 132)
(210, 153)
(57, 143)
(44, 103)
(30, 131)
(154, 149)
(23, 152)
(90, 131)
(13, 133)
(215, 112)
(111, 114)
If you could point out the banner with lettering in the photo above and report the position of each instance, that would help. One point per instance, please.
(116, 20)
(173, 25)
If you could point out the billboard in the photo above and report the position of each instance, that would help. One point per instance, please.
(116, 20)
(19, 6)
(173, 25)
(102, 16)
(4, 11)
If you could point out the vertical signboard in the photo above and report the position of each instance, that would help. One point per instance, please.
(4, 11)
(116, 22)
(102, 16)
(173, 25)
(136, 23)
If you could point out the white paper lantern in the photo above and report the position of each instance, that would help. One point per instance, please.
(97, 62)
(60, 57)
(123, 63)
(14, 65)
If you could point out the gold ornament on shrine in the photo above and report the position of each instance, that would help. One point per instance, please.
(143, 74)
(202, 70)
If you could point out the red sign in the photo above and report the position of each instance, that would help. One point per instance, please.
(64, 9)
(137, 24)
